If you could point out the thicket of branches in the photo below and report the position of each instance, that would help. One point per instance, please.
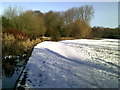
(24, 29)
(101, 32)
(71, 23)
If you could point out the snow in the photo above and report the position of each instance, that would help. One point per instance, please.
(80, 63)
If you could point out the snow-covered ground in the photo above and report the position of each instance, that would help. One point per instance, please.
(81, 63)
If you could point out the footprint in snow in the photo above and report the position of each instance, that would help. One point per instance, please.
(40, 75)
(29, 80)
(40, 81)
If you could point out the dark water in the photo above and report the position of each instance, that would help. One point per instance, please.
(11, 71)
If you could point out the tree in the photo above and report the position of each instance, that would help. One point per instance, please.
(29, 22)
(55, 36)
(68, 16)
(35, 23)
(32, 24)
(53, 22)
(77, 20)
(11, 17)
(84, 13)
(5, 22)
(12, 12)
(0, 28)
(38, 13)
(79, 29)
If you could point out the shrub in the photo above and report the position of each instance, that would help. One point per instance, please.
(101, 32)
(8, 39)
(29, 44)
(12, 46)
(17, 34)
(55, 36)
(79, 29)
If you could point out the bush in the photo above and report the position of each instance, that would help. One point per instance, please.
(17, 34)
(100, 32)
(29, 44)
(12, 46)
(7, 39)
(55, 36)
(32, 24)
(79, 29)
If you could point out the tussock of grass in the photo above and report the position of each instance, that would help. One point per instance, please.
(67, 38)
(29, 44)
(11, 46)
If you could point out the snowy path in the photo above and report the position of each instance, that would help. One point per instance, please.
(73, 64)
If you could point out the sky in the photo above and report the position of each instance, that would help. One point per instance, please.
(106, 13)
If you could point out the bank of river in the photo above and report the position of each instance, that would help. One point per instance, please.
(80, 63)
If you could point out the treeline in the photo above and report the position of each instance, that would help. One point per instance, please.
(22, 30)
(71, 23)
(101, 32)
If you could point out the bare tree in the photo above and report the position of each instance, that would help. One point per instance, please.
(12, 15)
(12, 12)
(26, 21)
(84, 13)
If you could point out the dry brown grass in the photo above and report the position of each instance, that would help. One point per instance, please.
(12, 46)
(29, 44)
(68, 38)
(62, 38)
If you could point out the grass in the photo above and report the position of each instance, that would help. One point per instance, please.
(13, 47)
(68, 38)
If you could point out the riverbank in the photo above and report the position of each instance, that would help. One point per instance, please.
(77, 63)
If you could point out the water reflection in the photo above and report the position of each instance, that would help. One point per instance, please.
(11, 72)
(8, 69)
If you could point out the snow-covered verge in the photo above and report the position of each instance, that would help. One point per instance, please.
(80, 63)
